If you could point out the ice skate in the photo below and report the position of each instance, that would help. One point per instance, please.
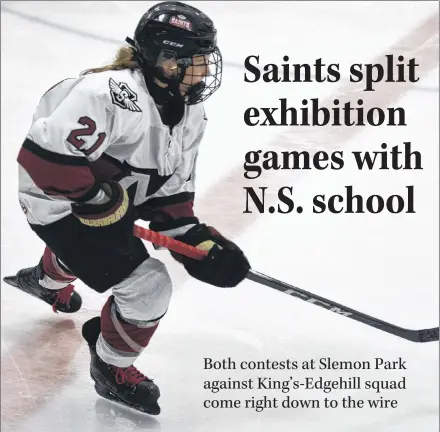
(126, 386)
(63, 300)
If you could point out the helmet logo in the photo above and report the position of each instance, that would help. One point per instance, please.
(180, 22)
(173, 44)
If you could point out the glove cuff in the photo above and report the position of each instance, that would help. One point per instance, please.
(100, 215)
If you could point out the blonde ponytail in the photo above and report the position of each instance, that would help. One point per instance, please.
(123, 60)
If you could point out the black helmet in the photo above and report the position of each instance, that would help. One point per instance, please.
(177, 44)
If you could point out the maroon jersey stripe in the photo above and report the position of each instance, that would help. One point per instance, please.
(54, 178)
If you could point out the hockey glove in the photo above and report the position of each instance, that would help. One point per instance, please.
(225, 266)
(112, 221)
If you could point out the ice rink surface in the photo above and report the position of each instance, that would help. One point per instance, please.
(384, 265)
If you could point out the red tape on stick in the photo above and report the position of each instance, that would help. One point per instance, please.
(169, 243)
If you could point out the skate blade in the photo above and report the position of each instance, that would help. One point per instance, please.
(11, 280)
(153, 409)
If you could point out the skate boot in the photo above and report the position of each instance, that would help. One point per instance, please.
(126, 386)
(27, 280)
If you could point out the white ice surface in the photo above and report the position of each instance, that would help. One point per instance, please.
(385, 265)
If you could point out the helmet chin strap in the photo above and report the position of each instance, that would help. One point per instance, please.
(161, 95)
(194, 92)
(171, 89)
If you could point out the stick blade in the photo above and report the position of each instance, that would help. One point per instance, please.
(424, 335)
(427, 335)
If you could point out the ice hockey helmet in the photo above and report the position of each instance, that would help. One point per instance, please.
(177, 44)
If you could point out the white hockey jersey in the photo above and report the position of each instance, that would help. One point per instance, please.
(105, 126)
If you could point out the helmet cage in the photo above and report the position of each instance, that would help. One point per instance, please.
(196, 77)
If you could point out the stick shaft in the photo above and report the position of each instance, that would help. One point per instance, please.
(425, 335)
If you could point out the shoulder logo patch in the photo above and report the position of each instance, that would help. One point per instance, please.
(123, 96)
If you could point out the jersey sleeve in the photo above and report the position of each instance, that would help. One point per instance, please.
(59, 147)
(173, 212)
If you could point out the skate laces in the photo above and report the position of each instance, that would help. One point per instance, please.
(63, 297)
(130, 375)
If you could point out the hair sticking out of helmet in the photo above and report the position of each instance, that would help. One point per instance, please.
(176, 47)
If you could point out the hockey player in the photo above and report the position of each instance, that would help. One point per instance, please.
(117, 144)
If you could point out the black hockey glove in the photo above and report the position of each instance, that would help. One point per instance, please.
(225, 266)
(110, 223)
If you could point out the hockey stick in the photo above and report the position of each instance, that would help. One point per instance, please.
(425, 335)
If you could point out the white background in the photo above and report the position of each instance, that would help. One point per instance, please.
(384, 265)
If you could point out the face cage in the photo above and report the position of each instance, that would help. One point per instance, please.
(197, 77)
